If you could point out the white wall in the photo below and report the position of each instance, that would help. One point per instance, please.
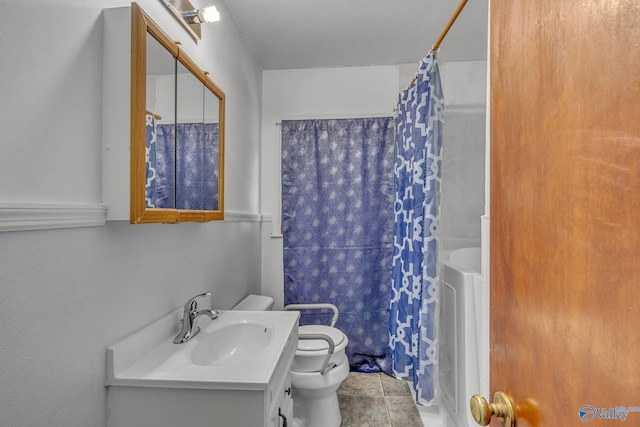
(310, 94)
(66, 294)
(463, 153)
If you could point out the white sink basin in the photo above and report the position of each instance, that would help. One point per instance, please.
(238, 350)
(231, 343)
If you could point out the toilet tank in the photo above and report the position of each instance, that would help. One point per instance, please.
(255, 303)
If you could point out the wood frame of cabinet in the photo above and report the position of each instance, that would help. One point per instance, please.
(141, 24)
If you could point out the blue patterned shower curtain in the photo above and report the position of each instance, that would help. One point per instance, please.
(150, 129)
(186, 177)
(417, 208)
(337, 217)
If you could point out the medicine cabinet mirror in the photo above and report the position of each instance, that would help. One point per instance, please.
(177, 131)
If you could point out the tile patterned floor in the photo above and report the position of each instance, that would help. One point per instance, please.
(377, 400)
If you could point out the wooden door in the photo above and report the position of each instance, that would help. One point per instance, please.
(565, 210)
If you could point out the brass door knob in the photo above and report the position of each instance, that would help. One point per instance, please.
(502, 408)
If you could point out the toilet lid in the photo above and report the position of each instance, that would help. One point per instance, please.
(315, 345)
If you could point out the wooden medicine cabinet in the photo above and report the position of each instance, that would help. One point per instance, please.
(176, 116)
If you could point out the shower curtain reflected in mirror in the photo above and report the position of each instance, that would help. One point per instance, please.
(186, 176)
(417, 209)
(337, 218)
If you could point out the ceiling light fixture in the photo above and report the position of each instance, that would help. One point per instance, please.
(190, 17)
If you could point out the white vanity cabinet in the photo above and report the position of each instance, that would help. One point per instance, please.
(159, 389)
(168, 407)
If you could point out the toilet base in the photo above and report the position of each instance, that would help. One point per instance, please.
(318, 407)
(324, 412)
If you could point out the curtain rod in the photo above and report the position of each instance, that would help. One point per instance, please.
(155, 116)
(436, 45)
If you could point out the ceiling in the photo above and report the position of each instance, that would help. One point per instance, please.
(334, 33)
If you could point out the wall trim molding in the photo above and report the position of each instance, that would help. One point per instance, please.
(466, 108)
(242, 216)
(41, 216)
(276, 233)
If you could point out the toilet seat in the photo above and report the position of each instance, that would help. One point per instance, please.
(310, 347)
(315, 400)
(311, 354)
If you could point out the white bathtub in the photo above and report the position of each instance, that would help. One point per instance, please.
(467, 259)
(458, 329)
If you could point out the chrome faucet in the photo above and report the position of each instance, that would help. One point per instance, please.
(191, 314)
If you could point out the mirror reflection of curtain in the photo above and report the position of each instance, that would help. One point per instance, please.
(165, 167)
(189, 161)
(186, 178)
(337, 218)
(150, 160)
(417, 214)
(211, 169)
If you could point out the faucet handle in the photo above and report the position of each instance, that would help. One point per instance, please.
(192, 304)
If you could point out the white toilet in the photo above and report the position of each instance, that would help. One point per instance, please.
(319, 366)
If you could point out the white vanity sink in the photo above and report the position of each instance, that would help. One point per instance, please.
(236, 372)
(238, 350)
(231, 343)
